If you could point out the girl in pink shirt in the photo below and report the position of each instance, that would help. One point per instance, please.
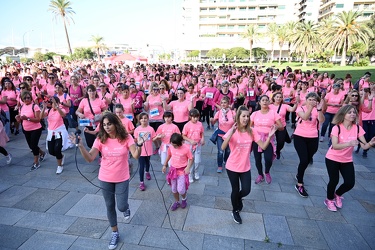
(193, 134)
(144, 159)
(56, 130)
(180, 160)
(346, 134)
(240, 139)
(263, 121)
(306, 136)
(114, 143)
(29, 116)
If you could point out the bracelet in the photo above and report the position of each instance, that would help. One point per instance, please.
(139, 145)
(319, 110)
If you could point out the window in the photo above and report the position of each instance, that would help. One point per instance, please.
(230, 27)
(231, 9)
(203, 9)
(242, 1)
(262, 8)
(309, 14)
(367, 14)
(231, 1)
(241, 27)
(221, 35)
(212, 9)
(251, 8)
(223, 1)
(281, 7)
(261, 26)
(339, 6)
(221, 27)
(222, 17)
(243, 9)
(223, 9)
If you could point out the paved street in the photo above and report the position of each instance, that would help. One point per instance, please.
(42, 210)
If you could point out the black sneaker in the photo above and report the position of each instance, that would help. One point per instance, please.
(127, 214)
(237, 217)
(364, 154)
(17, 132)
(277, 155)
(311, 161)
(114, 240)
(302, 191)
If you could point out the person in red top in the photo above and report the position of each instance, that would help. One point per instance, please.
(240, 138)
(339, 158)
(114, 143)
(306, 136)
(29, 116)
(56, 128)
(180, 159)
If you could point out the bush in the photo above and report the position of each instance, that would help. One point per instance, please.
(363, 62)
(326, 65)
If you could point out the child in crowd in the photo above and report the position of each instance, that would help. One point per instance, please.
(165, 131)
(193, 133)
(144, 159)
(181, 159)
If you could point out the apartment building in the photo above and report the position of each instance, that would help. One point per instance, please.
(308, 10)
(211, 24)
(332, 7)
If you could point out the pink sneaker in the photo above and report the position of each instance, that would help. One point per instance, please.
(175, 206)
(183, 203)
(330, 205)
(142, 186)
(148, 176)
(268, 178)
(338, 201)
(259, 179)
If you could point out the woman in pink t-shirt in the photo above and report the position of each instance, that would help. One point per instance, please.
(240, 139)
(180, 109)
(144, 159)
(56, 130)
(368, 119)
(306, 136)
(154, 105)
(346, 134)
(226, 118)
(114, 144)
(207, 95)
(9, 90)
(29, 116)
(263, 121)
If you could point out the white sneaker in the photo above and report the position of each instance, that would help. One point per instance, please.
(191, 179)
(59, 169)
(196, 175)
(321, 139)
(9, 158)
(63, 160)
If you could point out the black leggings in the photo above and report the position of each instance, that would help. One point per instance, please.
(199, 107)
(89, 137)
(347, 171)
(208, 113)
(280, 139)
(3, 151)
(306, 148)
(54, 147)
(144, 164)
(180, 125)
(235, 178)
(268, 158)
(32, 139)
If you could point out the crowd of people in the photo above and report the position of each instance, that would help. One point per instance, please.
(153, 109)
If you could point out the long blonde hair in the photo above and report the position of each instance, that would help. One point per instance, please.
(238, 114)
(340, 115)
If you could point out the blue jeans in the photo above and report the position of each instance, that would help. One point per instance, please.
(222, 155)
(328, 119)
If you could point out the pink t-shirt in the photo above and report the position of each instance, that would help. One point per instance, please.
(333, 99)
(240, 145)
(180, 110)
(64, 98)
(127, 124)
(180, 157)
(193, 131)
(128, 110)
(368, 116)
(97, 106)
(167, 130)
(282, 112)
(10, 94)
(156, 112)
(27, 110)
(3, 106)
(307, 128)
(54, 119)
(225, 121)
(209, 93)
(346, 154)
(50, 89)
(75, 93)
(114, 166)
(147, 145)
(264, 122)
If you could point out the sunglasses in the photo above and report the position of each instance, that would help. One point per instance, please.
(354, 95)
(51, 77)
(161, 88)
(28, 80)
(27, 98)
(23, 87)
(155, 89)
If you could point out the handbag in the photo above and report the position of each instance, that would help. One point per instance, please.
(97, 117)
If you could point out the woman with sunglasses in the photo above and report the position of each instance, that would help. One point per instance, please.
(49, 88)
(306, 136)
(29, 116)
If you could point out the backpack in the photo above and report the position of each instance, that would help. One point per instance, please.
(3, 117)
(356, 84)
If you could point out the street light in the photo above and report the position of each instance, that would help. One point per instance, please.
(23, 39)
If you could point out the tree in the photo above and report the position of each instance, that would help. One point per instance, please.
(215, 53)
(38, 56)
(252, 34)
(282, 36)
(259, 52)
(237, 53)
(290, 30)
(371, 47)
(272, 34)
(98, 44)
(346, 31)
(83, 53)
(306, 39)
(165, 56)
(357, 49)
(193, 54)
(63, 9)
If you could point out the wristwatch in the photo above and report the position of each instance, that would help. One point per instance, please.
(28, 118)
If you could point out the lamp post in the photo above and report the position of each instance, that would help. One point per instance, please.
(23, 39)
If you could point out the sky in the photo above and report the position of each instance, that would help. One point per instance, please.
(134, 22)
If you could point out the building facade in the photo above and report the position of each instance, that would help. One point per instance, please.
(330, 8)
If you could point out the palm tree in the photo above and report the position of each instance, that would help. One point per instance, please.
(290, 30)
(63, 9)
(252, 34)
(306, 39)
(99, 45)
(346, 31)
(271, 33)
(358, 49)
(282, 36)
